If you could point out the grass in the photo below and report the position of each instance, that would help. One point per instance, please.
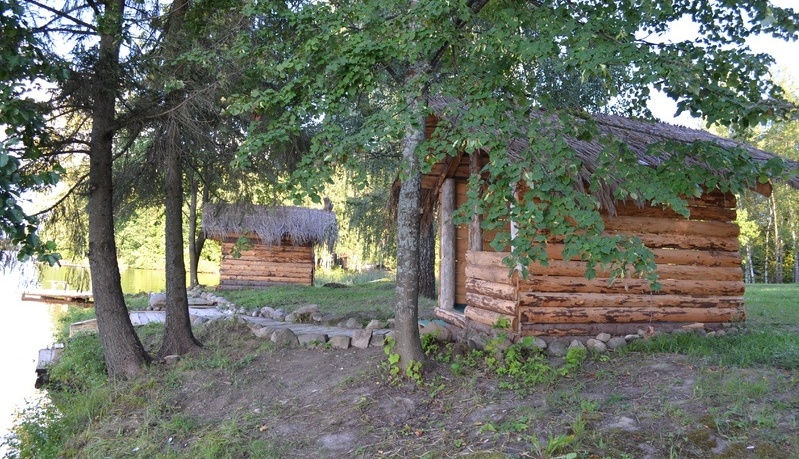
(772, 312)
(772, 305)
(371, 291)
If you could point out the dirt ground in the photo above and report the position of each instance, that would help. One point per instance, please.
(310, 403)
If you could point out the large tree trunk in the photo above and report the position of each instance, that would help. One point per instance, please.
(406, 308)
(427, 260)
(122, 349)
(178, 337)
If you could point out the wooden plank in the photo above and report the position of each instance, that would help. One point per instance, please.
(664, 226)
(565, 284)
(595, 300)
(628, 314)
(506, 307)
(489, 318)
(491, 289)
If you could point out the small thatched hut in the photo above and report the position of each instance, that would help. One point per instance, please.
(264, 245)
(697, 257)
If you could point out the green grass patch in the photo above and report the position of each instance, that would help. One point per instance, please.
(772, 304)
(773, 348)
(354, 293)
(771, 311)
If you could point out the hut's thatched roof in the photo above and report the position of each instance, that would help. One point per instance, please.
(638, 135)
(271, 223)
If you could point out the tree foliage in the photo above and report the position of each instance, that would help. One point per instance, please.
(26, 136)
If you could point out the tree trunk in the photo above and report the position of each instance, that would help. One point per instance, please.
(122, 349)
(779, 250)
(427, 260)
(750, 264)
(765, 253)
(406, 313)
(447, 268)
(795, 256)
(178, 337)
(196, 239)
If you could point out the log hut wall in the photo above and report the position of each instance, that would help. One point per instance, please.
(697, 260)
(264, 265)
(697, 257)
(698, 263)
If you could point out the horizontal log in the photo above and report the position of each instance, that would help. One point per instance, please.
(671, 226)
(450, 316)
(721, 214)
(489, 318)
(483, 258)
(628, 314)
(714, 198)
(265, 271)
(258, 264)
(595, 300)
(235, 285)
(491, 289)
(507, 307)
(556, 330)
(556, 284)
(577, 269)
(291, 279)
(500, 275)
(673, 256)
(683, 241)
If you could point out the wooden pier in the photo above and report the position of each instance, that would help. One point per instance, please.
(59, 296)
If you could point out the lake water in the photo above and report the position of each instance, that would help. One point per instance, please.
(26, 327)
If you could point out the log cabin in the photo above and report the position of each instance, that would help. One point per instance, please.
(263, 245)
(697, 257)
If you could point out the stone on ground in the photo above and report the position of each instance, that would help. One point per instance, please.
(374, 325)
(340, 342)
(312, 339)
(157, 301)
(604, 337)
(439, 331)
(594, 345)
(361, 338)
(558, 347)
(616, 342)
(285, 337)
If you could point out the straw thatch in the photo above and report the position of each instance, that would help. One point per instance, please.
(301, 225)
(644, 138)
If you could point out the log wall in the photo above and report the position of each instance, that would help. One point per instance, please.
(462, 245)
(698, 263)
(264, 265)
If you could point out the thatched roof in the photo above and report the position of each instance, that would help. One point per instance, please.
(641, 137)
(271, 224)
